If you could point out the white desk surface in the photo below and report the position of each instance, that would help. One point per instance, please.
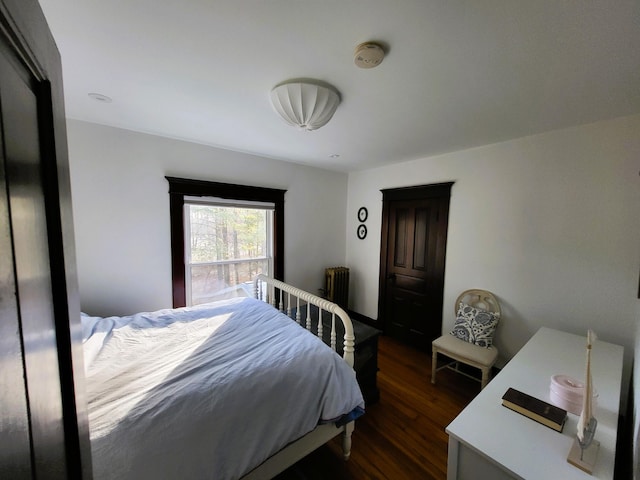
(525, 448)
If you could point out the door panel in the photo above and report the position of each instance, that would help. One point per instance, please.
(412, 263)
(408, 283)
(421, 242)
(401, 223)
(15, 453)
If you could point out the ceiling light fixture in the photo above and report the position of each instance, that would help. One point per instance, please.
(305, 104)
(368, 55)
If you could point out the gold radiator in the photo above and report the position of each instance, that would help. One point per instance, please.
(337, 285)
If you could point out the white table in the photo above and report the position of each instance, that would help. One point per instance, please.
(489, 441)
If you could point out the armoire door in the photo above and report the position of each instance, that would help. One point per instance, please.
(412, 263)
(43, 428)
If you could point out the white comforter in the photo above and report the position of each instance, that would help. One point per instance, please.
(206, 392)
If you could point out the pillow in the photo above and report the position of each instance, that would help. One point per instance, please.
(475, 325)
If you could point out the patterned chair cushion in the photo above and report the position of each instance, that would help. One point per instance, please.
(475, 325)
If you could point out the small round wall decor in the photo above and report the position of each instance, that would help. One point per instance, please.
(362, 231)
(363, 214)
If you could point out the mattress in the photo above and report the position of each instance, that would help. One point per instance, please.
(206, 392)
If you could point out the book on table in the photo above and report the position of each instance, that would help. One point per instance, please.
(550, 415)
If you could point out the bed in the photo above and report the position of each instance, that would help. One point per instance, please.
(238, 388)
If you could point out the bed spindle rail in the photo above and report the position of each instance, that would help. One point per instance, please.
(333, 331)
(323, 305)
(320, 332)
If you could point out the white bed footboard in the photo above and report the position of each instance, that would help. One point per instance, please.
(289, 300)
(293, 301)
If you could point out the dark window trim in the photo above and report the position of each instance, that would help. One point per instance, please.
(182, 187)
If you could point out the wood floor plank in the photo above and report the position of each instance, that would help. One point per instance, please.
(403, 435)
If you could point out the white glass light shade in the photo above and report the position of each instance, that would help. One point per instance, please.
(305, 105)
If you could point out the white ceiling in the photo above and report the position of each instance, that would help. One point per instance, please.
(458, 73)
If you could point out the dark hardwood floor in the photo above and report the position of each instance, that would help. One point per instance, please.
(403, 435)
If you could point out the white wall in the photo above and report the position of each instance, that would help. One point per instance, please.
(121, 213)
(549, 223)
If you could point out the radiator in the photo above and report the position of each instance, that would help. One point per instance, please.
(337, 285)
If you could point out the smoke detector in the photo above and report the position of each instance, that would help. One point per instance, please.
(368, 55)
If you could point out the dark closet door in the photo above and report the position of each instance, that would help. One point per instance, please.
(412, 262)
(41, 435)
(15, 454)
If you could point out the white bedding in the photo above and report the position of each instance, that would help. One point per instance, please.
(206, 392)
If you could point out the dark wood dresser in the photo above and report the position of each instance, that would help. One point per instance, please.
(366, 360)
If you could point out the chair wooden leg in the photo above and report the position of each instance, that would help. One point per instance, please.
(434, 364)
(485, 378)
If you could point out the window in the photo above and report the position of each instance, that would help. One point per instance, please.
(222, 235)
(227, 245)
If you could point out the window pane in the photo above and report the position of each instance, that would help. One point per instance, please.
(225, 233)
(226, 248)
(213, 282)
